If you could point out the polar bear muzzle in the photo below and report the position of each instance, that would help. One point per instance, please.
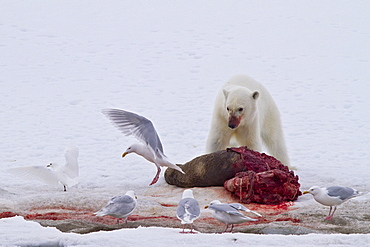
(234, 122)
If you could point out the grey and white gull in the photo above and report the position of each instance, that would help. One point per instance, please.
(188, 209)
(332, 196)
(142, 128)
(120, 207)
(229, 213)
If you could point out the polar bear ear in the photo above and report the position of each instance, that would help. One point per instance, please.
(255, 95)
(226, 93)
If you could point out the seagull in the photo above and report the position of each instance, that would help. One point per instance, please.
(142, 128)
(332, 196)
(119, 207)
(229, 213)
(53, 174)
(188, 209)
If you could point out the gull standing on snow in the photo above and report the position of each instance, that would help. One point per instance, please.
(142, 128)
(229, 213)
(332, 196)
(188, 209)
(120, 207)
(53, 174)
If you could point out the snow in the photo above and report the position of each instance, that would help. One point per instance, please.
(63, 61)
(154, 236)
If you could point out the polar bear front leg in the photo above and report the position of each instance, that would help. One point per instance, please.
(275, 144)
(250, 138)
(279, 151)
(218, 139)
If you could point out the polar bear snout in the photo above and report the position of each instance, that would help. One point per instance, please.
(233, 122)
(232, 126)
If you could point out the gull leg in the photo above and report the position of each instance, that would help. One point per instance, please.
(331, 213)
(232, 227)
(335, 209)
(183, 229)
(155, 179)
(191, 229)
(329, 217)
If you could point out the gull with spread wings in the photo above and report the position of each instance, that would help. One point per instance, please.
(142, 128)
(53, 174)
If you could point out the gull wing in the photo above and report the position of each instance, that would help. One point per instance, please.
(71, 167)
(226, 208)
(133, 124)
(241, 207)
(344, 193)
(40, 173)
(188, 207)
(120, 206)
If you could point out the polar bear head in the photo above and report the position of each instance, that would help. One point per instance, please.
(240, 105)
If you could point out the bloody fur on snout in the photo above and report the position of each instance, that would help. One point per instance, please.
(234, 121)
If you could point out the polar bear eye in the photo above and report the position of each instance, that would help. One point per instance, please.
(227, 108)
(240, 109)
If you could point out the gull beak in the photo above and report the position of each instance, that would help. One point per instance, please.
(305, 192)
(49, 165)
(124, 154)
(206, 206)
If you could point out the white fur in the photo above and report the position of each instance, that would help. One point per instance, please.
(260, 126)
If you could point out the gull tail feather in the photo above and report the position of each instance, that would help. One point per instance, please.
(173, 166)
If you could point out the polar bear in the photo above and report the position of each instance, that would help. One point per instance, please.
(244, 110)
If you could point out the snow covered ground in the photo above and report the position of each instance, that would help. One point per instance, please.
(63, 61)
